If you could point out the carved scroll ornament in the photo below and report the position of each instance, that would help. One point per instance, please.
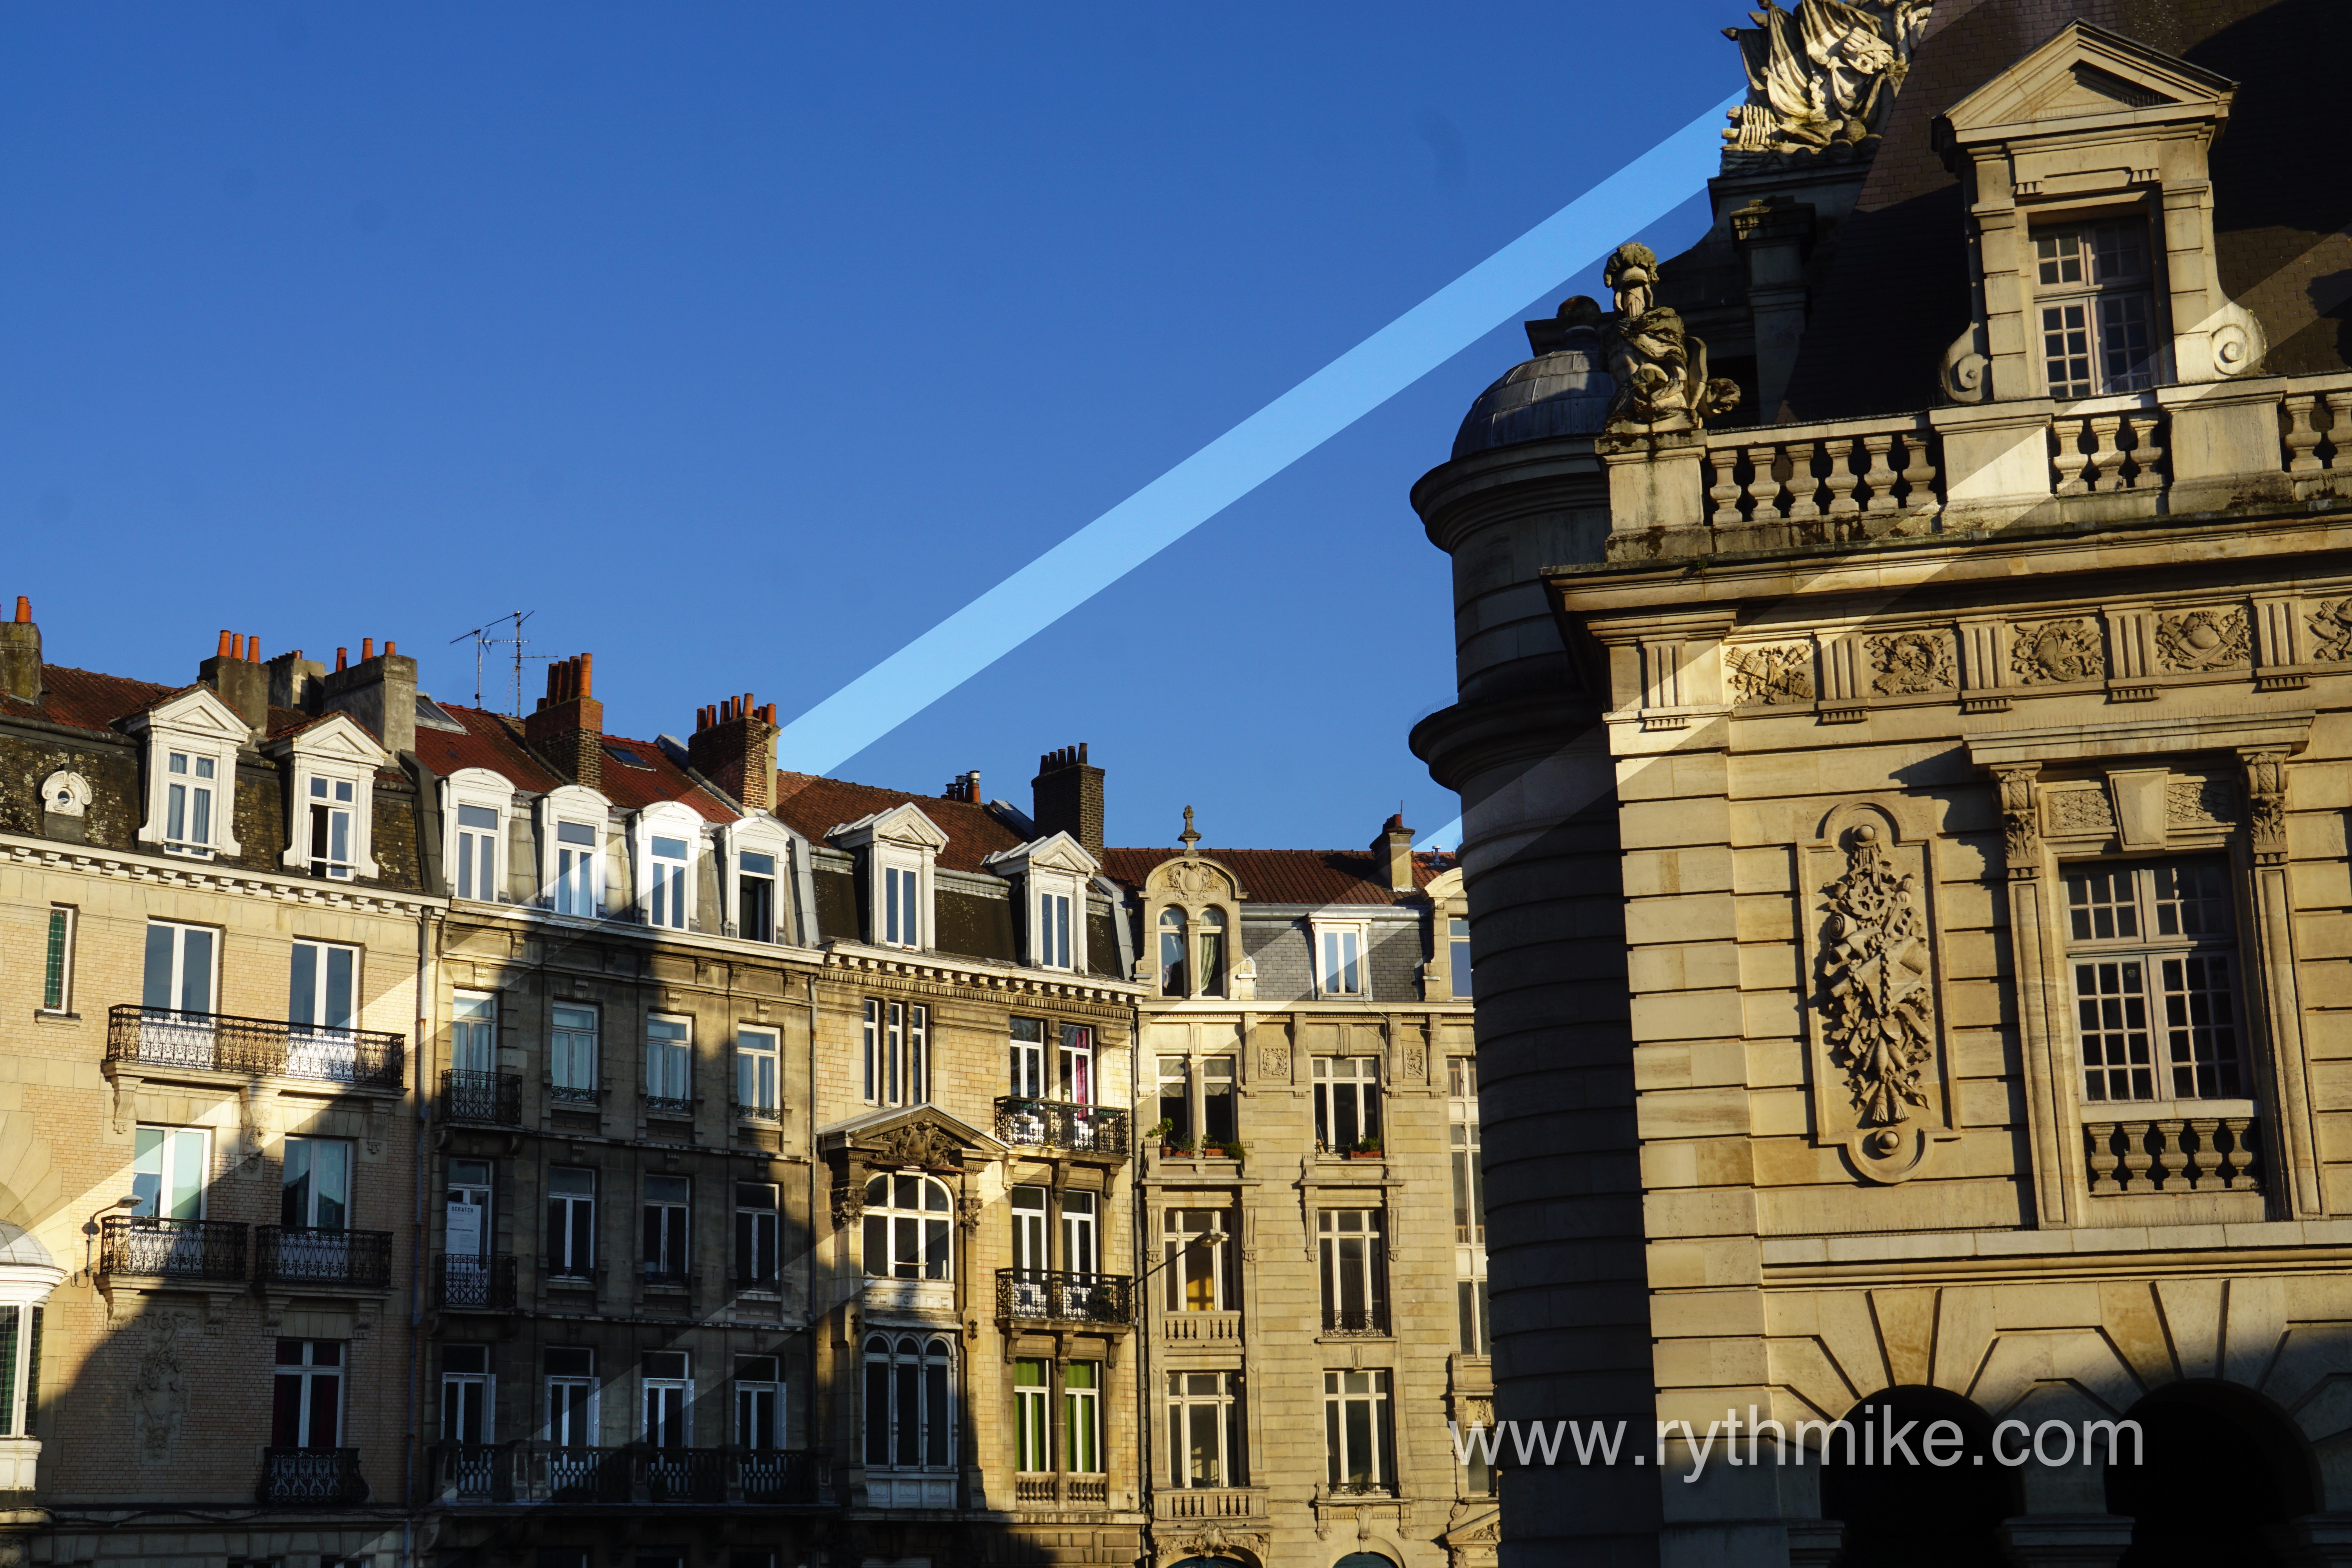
(1878, 1006)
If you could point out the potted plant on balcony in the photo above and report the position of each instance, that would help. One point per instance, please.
(1365, 1149)
(1162, 1132)
(1232, 1151)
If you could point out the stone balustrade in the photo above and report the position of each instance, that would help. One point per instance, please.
(2222, 1153)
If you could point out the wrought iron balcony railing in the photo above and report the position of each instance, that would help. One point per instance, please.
(1370, 1321)
(333, 1259)
(635, 1474)
(669, 1105)
(136, 1247)
(578, 1475)
(686, 1474)
(1055, 1125)
(575, 1094)
(311, 1477)
(663, 1274)
(1055, 1295)
(494, 1098)
(264, 1047)
(475, 1284)
(782, 1475)
(475, 1473)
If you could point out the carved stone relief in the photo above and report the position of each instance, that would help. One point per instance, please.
(1769, 674)
(918, 1143)
(2021, 837)
(1660, 369)
(2067, 811)
(1877, 1001)
(2266, 804)
(65, 793)
(2331, 625)
(2203, 639)
(2200, 802)
(159, 1394)
(2056, 651)
(1820, 80)
(848, 1203)
(1907, 662)
(1274, 1062)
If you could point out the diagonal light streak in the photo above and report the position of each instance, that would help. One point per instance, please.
(1253, 451)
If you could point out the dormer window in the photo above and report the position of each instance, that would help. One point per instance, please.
(664, 838)
(192, 741)
(334, 762)
(331, 802)
(1053, 873)
(474, 806)
(666, 895)
(2095, 292)
(1192, 905)
(899, 847)
(757, 857)
(572, 850)
(188, 804)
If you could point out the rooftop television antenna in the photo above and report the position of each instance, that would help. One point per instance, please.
(512, 620)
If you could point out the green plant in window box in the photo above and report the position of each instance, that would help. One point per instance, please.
(1365, 1149)
(1232, 1150)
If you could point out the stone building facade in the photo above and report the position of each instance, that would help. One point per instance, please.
(1906, 836)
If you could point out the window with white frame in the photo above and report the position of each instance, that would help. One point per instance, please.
(1176, 1102)
(1028, 1047)
(579, 887)
(329, 808)
(902, 921)
(1074, 1065)
(1348, 1104)
(2153, 946)
(898, 1053)
(189, 794)
(168, 1168)
(571, 1374)
(1174, 977)
(57, 959)
(1079, 1236)
(469, 1395)
(572, 1055)
(1053, 943)
(476, 804)
(1340, 959)
(668, 1208)
(332, 764)
(755, 896)
(20, 1369)
(1355, 1278)
(757, 1236)
(1469, 1204)
(179, 967)
(909, 1223)
(2094, 289)
(1032, 1436)
(669, 1067)
(315, 1191)
(756, 1059)
(898, 847)
(666, 863)
(1196, 1268)
(307, 1409)
(909, 1402)
(1457, 956)
(1204, 1430)
(758, 1404)
(1220, 1127)
(669, 1387)
(1209, 941)
(192, 741)
(474, 1032)
(1053, 873)
(322, 987)
(474, 859)
(1356, 1444)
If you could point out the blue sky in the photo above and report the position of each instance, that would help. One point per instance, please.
(743, 344)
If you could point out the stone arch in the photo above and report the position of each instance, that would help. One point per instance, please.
(1185, 896)
(2221, 1470)
(1920, 1514)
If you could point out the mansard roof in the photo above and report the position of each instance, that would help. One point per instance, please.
(1316, 877)
(813, 804)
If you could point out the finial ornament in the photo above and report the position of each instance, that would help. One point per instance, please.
(1188, 836)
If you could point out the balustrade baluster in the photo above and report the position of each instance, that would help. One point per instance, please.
(1918, 472)
(2106, 457)
(1879, 478)
(2070, 460)
(1843, 479)
(1763, 484)
(1802, 485)
(2301, 436)
(2339, 432)
(2147, 452)
(1723, 464)
(2137, 1160)
(2101, 1168)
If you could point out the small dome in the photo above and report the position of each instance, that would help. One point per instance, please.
(1563, 392)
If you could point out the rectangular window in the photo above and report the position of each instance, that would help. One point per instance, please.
(1082, 1418)
(756, 1236)
(307, 1411)
(1469, 1204)
(898, 1043)
(668, 1201)
(669, 1062)
(1457, 956)
(758, 1404)
(1341, 949)
(467, 1408)
(188, 804)
(2095, 287)
(1079, 1236)
(755, 1073)
(571, 1222)
(1029, 1428)
(57, 961)
(332, 805)
(1053, 931)
(474, 1032)
(1028, 1077)
(571, 1054)
(1176, 1101)
(571, 1372)
(1470, 1307)
(578, 885)
(1029, 1252)
(2152, 947)
(476, 858)
(179, 968)
(1355, 1432)
(1194, 1267)
(1074, 1065)
(901, 923)
(322, 986)
(1355, 1279)
(1220, 1126)
(20, 1368)
(168, 1167)
(668, 1395)
(1205, 1430)
(665, 897)
(316, 1193)
(755, 896)
(1348, 1104)
(467, 1224)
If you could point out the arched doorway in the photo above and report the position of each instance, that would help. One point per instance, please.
(2219, 1468)
(1918, 1515)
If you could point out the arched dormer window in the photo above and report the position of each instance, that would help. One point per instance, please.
(665, 843)
(909, 1229)
(1195, 906)
(476, 805)
(572, 824)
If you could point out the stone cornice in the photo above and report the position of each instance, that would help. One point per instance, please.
(202, 876)
(844, 961)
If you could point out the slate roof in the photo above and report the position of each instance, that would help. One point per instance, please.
(814, 806)
(1288, 876)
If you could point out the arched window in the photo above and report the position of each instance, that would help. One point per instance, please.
(1173, 981)
(1212, 952)
(909, 1408)
(907, 1228)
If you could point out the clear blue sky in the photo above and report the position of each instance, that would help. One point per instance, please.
(744, 343)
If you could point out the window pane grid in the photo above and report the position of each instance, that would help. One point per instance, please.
(2160, 1022)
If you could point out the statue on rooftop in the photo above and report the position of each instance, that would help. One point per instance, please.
(1821, 78)
(1660, 369)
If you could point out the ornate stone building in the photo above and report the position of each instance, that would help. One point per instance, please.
(1906, 838)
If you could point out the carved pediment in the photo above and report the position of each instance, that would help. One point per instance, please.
(337, 738)
(2087, 74)
(1054, 852)
(1194, 877)
(904, 823)
(921, 1136)
(196, 712)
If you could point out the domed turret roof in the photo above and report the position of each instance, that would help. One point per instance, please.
(1563, 391)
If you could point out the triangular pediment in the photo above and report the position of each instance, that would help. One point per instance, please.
(1054, 852)
(916, 1135)
(197, 710)
(902, 824)
(337, 737)
(2083, 77)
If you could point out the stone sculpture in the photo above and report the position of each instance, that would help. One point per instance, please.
(1660, 369)
(1876, 998)
(1770, 675)
(1820, 80)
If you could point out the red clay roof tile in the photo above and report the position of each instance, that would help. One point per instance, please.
(814, 806)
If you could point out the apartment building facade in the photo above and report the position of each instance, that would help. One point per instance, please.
(1905, 794)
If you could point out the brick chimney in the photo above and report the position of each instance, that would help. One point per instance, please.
(235, 672)
(964, 787)
(1392, 854)
(295, 681)
(734, 746)
(380, 691)
(20, 654)
(1067, 797)
(568, 727)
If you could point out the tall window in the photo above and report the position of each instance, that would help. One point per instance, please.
(579, 886)
(1355, 1284)
(474, 1032)
(901, 916)
(1078, 1234)
(2154, 947)
(466, 1227)
(758, 1403)
(898, 1053)
(1195, 1271)
(188, 803)
(1469, 1204)
(1347, 1103)
(167, 1172)
(1173, 979)
(1053, 931)
(668, 1201)
(665, 897)
(57, 959)
(1029, 1428)
(331, 804)
(755, 896)
(1204, 1430)
(755, 1073)
(467, 1414)
(316, 1193)
(756, 1236)
(1028, 1058)
(1082, 1418)
(910, 1411)
(1074, 1065)
(322, 986)
(669, 1061)
(1457, 955)
(179, 968)
(1355, 1432)
(1029, 1251)
(668, 1395)
(1176, 1101)
(571, 1054)
(908, 1225)
(20, 1370)
(571, 1372)
(1212, 944)
(2095, 290)
(571, 1222)
(307, 1411)
(478, 853)
(1219, 1123)
(1341, 951)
